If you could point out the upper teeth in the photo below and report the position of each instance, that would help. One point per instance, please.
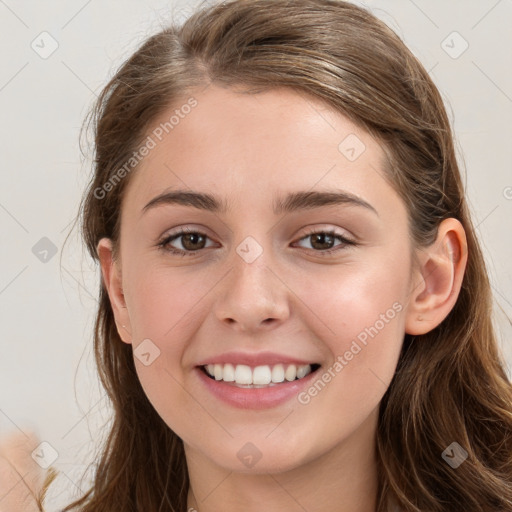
(260, 375)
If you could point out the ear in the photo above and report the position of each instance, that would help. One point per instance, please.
(438, 279)
(112, 280)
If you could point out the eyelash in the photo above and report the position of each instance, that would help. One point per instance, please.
(164, 244)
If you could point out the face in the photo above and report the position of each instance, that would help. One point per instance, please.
(305, 260)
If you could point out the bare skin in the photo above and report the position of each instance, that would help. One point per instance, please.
(248, 150)
(21, 479)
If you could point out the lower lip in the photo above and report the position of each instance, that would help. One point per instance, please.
(255, 398)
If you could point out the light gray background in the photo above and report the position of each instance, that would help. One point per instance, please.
(47, 376)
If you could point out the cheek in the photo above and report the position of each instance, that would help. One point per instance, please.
(364, 315)
(362, 324)
(353, 310)
(357, 297)
(166, 306)
(164, 302)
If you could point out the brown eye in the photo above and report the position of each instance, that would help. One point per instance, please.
(323, 242)
(190, 241)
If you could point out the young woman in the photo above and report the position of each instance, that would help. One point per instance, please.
(295, 313)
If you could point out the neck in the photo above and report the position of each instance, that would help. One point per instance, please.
(342, 479)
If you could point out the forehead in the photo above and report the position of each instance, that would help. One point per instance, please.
(249, 147)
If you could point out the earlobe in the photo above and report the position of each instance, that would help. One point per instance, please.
(438, 279)
(112, 281)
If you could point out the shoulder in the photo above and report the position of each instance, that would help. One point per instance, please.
(21, 478)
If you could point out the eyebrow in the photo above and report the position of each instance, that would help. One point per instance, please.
(294, 201)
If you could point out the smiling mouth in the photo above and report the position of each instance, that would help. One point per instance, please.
(245, 376)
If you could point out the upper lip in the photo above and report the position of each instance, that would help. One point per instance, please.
(255, 359)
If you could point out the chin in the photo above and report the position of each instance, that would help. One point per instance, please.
(259, 457)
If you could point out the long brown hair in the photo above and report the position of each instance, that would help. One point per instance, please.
(450, 384)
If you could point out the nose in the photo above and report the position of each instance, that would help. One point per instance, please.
(253, 297)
